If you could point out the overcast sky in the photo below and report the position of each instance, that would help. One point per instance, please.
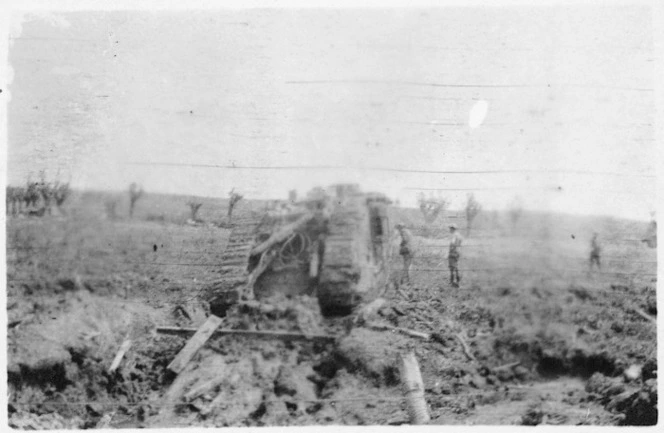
(107, 98)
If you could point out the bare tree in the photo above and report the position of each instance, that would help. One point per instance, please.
(15, 196)
(61, 192)
(650, 237)
(194, 206)
(515, 211)
(45, 191)
(233, 199)
(135, 192)
(31, 196)
(431, 207)
(473, 208)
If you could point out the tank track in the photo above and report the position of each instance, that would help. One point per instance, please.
(340, 273)
(234, 265)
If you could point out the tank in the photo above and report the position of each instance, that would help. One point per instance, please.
(333, 245)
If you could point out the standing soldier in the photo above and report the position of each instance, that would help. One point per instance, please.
(453, 255)
(406, 251)
(595, 250)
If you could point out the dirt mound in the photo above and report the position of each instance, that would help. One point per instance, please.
(636, 405)
(371, 353)
(60, 352)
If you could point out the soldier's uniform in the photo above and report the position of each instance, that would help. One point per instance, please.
(454, 255)
(595, 251)
(406, 251)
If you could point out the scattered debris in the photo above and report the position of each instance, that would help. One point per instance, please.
(409, 332)
(509, 366)
(193, 345)
(118, 357)
(466, 349)
(645, 315)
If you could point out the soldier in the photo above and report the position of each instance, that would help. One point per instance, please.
(453, 255)
(595, 250)
(406, 251)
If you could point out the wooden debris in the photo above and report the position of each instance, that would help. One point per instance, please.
(203, 388)
(183, 311)
(401, 293)
(466, 349)
(124, 347)
(105, 421)
(14, 323)
(645, 315)
(413, 389)
(174, 330)
(398, 310)
(282, 234)
(200, 337)
(509, 366)
(409, 332)
(264, 263)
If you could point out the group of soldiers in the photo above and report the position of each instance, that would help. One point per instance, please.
(36, 198)
(407, 252)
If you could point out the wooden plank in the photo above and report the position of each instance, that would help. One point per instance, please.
(204, 388)
(645, 315)
(409, 332)
(200, 337)
(174, 330)
(118, 357)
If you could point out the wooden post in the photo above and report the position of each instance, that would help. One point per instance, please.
(413, 389)
(118, 357)
(194, 344)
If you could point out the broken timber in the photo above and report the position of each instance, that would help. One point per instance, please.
(197, 341)
(466, 349)
(409, 332)
(645, 315)
(174, 330)
(282, 234)
(118, 357)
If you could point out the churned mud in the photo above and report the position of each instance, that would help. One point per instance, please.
(504, 348)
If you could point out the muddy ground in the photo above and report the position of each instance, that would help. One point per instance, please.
(548, 342)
